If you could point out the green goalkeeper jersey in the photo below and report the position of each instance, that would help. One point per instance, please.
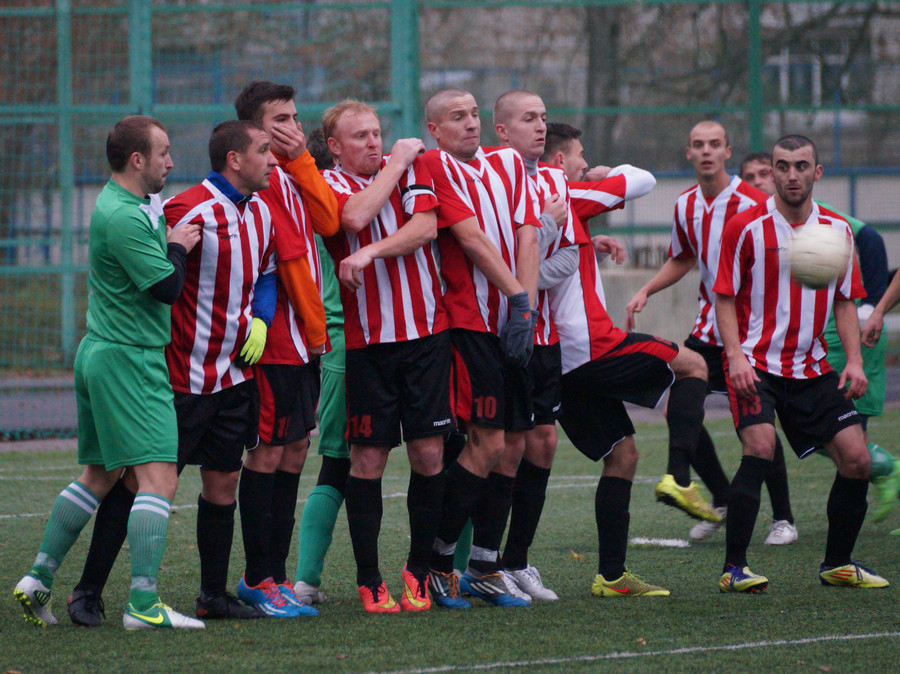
(127, 255)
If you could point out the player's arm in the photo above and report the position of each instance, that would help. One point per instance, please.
(317, 194)
(741, 374)
(871, 331)
(484, 255)
(263, 310)
(672, 271)
(303, 294)
(179, 242)
(558, 267)
(361, 208)
(527, 260)
(846, 322)
(418, 231)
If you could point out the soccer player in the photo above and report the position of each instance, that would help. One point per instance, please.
(603, 366)
(700, 214)
(397, 343)
(487, 238)
(774, 353)
(885, 473)
(324, 502)
(301, 204)
(126, 416)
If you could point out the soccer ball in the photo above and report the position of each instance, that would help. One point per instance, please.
(818, 255)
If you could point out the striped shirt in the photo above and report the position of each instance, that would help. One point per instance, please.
(578, 304)
(400, 297)
(781, 323)
(697, 233)
(493, 188)
(548, 181)
(286, 339)
(211, 319)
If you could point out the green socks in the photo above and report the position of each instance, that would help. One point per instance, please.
(71, 512)
(316, 529)
(147, 526)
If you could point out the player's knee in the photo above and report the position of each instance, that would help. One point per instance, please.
(426, 456)
(690, 364)
(622, 460)
(219, 487)
(368, 462)
(855, 463)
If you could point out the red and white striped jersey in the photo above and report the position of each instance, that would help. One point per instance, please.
(697, 233)
(211, 319)
(781, 323)
(494, 189)
(548, 181)
(578, 304)
(291, 221)
(400, 297)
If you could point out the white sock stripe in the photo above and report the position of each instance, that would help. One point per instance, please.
(82, 491)
(153, 500)
(147, 507)
(77, 500)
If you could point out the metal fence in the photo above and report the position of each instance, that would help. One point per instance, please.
(635, 76)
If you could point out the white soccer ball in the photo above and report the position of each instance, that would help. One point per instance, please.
(818, 255)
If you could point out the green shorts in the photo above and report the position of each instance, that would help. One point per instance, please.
(126, 414)
(333, 408)
(872, 403)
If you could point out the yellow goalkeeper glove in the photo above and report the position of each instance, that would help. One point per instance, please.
(253, 348)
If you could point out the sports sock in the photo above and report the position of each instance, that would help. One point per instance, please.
(489, 522)
(706, 463)
(611, 512)
(110, 530)
(71, 511)
(255, 502)
(425, 496)
(463, 550)
(148, 523)
(284, 504)
(316, 532)
(882, 461)
(685, 419)
(364, 510)
(529, 493)
(743, 507)
(777, 484)
(215, 532)
(846, 511)
(462, 491)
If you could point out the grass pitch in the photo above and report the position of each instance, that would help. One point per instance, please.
(797, 625)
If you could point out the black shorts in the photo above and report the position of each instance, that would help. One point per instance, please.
(713, 356)
(399, 384)
(485, 390)
(593, 395)
(545, 368)
(811, 411)
(215, 429)
(288, 396)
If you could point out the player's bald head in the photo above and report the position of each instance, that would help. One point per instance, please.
(436, 106)
(508, 103)
(708, 126)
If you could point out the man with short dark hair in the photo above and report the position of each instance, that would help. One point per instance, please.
(778, 366)
(700, 214)
(126, 417)
(301, 204)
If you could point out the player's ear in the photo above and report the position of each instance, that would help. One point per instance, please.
(727, 152)
(334, 146)
(137, 160)
(433, 130)
(501, 132)
(233, 160)
(819, 171)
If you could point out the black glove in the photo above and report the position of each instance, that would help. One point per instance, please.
(517, 336)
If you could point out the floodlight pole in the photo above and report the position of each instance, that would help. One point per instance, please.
(407, 116)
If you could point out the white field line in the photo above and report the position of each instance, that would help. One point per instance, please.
(644, 654)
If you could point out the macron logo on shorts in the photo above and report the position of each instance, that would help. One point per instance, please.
(443, 422)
